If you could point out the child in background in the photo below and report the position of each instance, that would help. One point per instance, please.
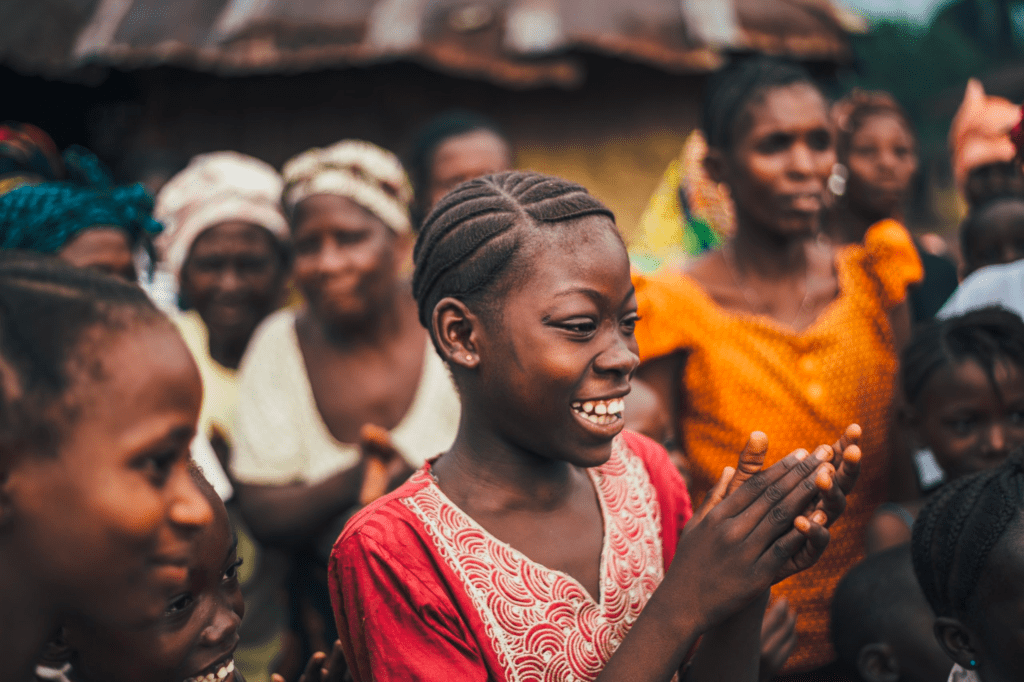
(194, 638)
(993, 233)
(882, 625)
(968, 553)
(963, 383)
(99, 399)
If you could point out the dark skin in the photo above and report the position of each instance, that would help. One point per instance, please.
(518, 465)
(360, 330)
(968, 423)
(776, 171)
(233, 277)
(882, 161)
(989, 633)
(102, 529)
(105, 248)
(464, 157)
(999, 237)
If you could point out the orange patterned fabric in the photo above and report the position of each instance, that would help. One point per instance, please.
(745, 373)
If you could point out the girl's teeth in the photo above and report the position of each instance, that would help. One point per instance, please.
(601, 408)
(588, 407)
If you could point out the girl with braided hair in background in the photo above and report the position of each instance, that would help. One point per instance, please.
(963, 385)
(99, 399)
(968, 553)
(545, 543)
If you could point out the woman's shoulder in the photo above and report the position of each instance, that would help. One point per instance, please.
(887, 258)
(671, 305)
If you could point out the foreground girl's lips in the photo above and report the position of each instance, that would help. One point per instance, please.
(604, 416)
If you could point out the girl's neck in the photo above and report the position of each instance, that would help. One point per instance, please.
(390, 321)
(486, 473)
(848, 225)
(227, 352)
(770, 256)
(26, 627)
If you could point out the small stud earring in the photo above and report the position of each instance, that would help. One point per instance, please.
(973, 663)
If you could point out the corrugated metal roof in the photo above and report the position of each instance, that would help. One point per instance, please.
(518, 43)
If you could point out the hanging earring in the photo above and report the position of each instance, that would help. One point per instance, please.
(837, 181)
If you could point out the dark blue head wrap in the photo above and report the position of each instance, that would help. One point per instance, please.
(45, 217)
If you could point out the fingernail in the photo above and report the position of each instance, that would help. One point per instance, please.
(821, 454)
(801, 455)
(823, 480)
(852, 454)
(802, 524)
(819, 517)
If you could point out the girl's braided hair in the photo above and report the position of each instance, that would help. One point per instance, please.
(958, 529)
(47, 309)
(470, 239)
(986, 336)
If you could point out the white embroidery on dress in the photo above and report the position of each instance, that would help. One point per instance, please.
(542, 624)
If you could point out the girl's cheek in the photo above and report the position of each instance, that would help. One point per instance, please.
(135, 512)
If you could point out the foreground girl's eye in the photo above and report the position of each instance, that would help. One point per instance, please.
(179, 604)
(157, 466)
(232, 573)
(629, 323)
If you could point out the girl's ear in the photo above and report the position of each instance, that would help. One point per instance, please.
(877, 662)
(955, 640)
(457, 331)
(714, 165)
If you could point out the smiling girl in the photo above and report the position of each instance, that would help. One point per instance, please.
(545, 543)
(99, 399)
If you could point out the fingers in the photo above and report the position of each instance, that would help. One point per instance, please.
(375, 481)
(276, 678)
(849, 468)
(759, 483)
(375, 441)
(313, 672)
(797, 550)
(778, 637)
(379, 453)
(714, 496)
(781, 502)
(850, 437)
(335, 668)
(751, 460)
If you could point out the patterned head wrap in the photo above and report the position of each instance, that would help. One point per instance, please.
(363, 172)
(45, 217)
(980, 132)
(27, 156)
(216, 188)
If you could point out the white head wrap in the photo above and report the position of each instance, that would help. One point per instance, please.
(216, 188)
(363, 172)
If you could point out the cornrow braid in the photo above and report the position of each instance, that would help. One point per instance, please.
(959, 528)
(730, 91)
(46, 309)
(986, 336)
(473, 234)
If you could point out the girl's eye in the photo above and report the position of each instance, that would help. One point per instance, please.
(629, 324)
(581, 327)
(1017, 418)
(180, 603)
(962, 426)
(157, 467)
(231, 574)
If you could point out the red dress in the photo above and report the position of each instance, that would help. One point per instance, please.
(423, 592)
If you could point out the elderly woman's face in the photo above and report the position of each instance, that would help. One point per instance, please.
(104, 248)
(346, 259)
(233, 278)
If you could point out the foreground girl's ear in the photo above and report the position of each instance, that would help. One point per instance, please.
(457, 331)
(955, 640)
(877, 662)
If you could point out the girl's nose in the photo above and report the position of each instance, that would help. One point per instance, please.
(997, 438)
(223, 627)
(619, 358)
(189, 507)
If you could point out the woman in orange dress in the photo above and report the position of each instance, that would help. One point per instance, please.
(777, 330)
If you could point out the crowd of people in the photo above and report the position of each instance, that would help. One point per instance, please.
(343, 421)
